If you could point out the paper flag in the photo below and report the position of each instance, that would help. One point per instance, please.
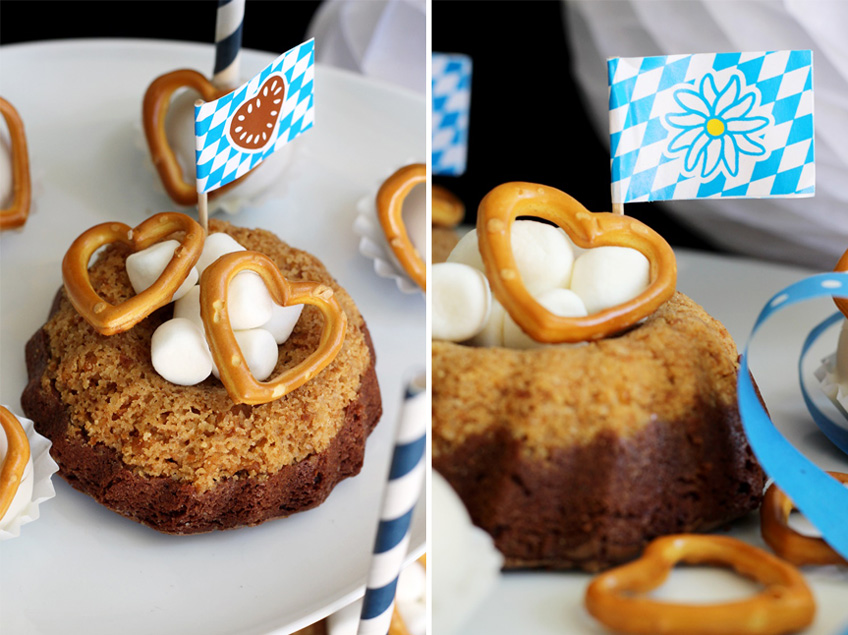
(728, 125)
(451, 105)
(237, 132)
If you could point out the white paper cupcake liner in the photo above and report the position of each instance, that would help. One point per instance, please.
(374, 246)
(44, 467)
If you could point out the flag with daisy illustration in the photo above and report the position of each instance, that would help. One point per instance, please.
(733, 125)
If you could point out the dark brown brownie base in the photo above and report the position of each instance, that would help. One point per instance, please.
(595, 506)
(175, 507)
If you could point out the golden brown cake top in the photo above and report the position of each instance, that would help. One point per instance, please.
(196, 433)
(566, 395)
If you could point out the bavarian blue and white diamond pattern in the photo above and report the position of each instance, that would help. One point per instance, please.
(712, 125)
(219, 162)
(451, 104)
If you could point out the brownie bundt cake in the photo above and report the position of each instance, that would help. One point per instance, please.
(187, 459)
(576, 437)
(579, 456)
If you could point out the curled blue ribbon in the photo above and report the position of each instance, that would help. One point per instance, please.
(821, 498)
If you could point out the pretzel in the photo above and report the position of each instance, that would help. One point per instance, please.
(17, 457)
(109, 319)
(447, 210)
(500, 207)
(842, 303)
(616, 597)
(16, 214)
(157, 98)
(785, 541)
(390, 199)
(235, 374)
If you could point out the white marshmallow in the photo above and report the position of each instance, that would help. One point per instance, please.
(215, 246)
(543, 254)
(607, 276)
(179, 352)
(188, 307)
(144, 267)
(6, 185)
(467, 252)
(461, 301)
(492, 333)
(415, 217)
(558, 301)
(23, 495)
(283, 320)
(249, 303)
(259, 351)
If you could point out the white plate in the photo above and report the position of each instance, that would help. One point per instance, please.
(734, 291)
(84, 569)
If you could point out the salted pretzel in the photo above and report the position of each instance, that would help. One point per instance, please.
(446, 209)
(785, 541)
(616, 598)
(107, 318)
(500, 207)
(16, 214)
(232, 367)
(17, 456)
(390, 199)
(157, 99)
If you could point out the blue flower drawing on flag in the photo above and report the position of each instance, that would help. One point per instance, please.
(717, 126)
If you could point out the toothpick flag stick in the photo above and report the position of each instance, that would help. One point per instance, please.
(406, 477)
(228, 29)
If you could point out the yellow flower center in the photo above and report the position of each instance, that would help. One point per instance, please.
(715, 127)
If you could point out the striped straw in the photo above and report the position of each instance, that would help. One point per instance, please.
(406, 476)
(228, 27)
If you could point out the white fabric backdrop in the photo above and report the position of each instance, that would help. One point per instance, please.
(811, 231)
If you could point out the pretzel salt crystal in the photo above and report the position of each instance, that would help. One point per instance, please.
(390, 199)
(500, 207)
(232, 367)
(447, 210)
(785, 541)
(616, 597)
(17, 456)
(157, 99)
(16, 214)
(109, 319)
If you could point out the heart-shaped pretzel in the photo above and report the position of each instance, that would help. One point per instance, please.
(616, 597)
(17, 456)
(390, 198)
(157, 99)
(16, 214)
(232, 367)
(446, 209)
(109, 319)
(500, 207)
(785, 541)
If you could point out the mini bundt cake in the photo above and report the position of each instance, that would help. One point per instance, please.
(579, 456)
(187, 459)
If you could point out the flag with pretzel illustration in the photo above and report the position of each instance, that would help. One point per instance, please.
(237, 132)
(734, 125)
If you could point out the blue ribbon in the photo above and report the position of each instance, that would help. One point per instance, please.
(821, 498)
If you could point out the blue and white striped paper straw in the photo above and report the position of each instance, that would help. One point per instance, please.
(406, 477)
(228, 28)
